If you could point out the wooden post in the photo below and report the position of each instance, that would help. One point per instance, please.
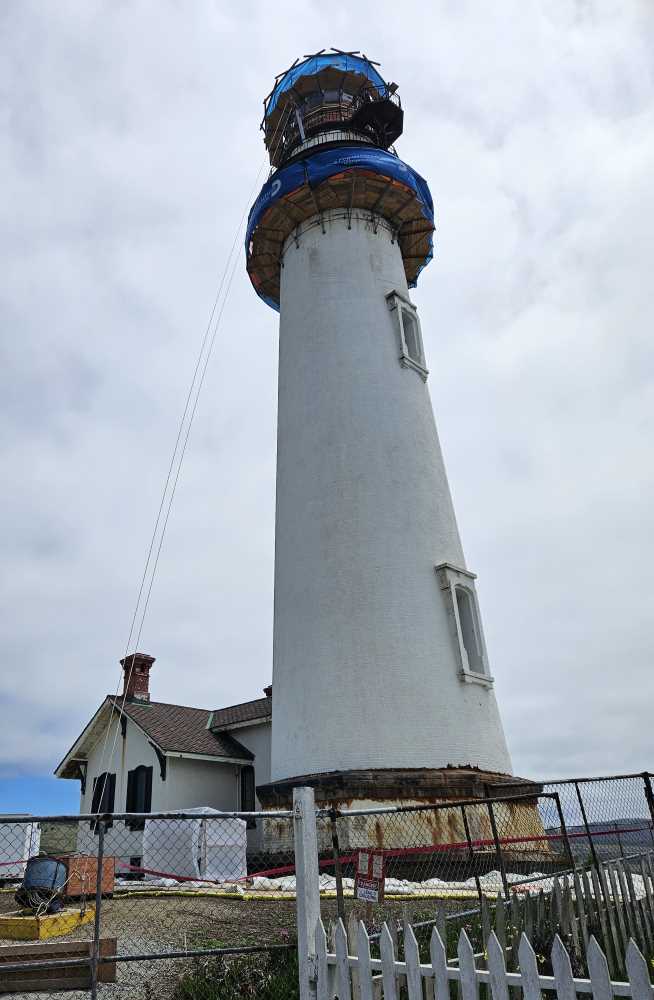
(352, 931)
(307, 882)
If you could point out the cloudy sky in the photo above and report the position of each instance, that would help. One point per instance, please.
(129, 148)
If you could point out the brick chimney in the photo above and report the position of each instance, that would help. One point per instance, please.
(136, 681)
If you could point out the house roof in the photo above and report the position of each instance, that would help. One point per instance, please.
(178, 729)
(259, 710)
(173, 729)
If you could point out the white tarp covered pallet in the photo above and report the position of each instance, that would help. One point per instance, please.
(203, 848)
(19, 841)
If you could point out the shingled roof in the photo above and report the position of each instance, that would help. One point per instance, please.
(258, 710)
(178, 729)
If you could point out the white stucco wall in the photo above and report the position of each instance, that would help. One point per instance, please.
(365, 670)
(202, 783)
(257, 740)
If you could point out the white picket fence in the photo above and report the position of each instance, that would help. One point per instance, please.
(345, 976)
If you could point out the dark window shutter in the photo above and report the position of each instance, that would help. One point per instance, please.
(129, 800)
(97, 789)
(139, 794)
(147, 791)
(247, 792)
(104, 793)
(111, 793)
(109, 798)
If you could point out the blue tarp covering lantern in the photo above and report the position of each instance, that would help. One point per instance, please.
(319, 167)
(314, 64)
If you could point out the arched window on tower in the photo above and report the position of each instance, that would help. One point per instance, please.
(407, 325)
(412, 336)
(467, 612)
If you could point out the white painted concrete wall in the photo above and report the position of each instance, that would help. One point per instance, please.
(365, 669)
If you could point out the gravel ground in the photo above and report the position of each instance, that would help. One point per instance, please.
(144, 925)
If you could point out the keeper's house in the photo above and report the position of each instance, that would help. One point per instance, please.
(138, 755)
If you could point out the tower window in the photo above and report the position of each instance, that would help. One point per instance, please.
(458, 589)
(469, 629)
(407, 323)
(411, 336)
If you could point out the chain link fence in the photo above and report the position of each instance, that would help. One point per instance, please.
(444, 861)
(444, 857)
(607, 817)
(184, 905)
(203, 904)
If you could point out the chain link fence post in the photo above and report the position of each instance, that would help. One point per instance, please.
(338, 870)
(471, 852)
(498, 850)
(584, 818)
(307, 887)
(95, 947)
(649, 795)
(564, 831)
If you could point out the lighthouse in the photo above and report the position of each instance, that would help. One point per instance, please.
(382, 686)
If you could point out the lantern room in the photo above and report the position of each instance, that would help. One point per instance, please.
(328, 98)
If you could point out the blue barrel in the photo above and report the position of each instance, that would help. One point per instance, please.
(45, 873)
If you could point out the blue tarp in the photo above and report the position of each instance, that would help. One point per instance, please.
(320, 166)
(313, 65)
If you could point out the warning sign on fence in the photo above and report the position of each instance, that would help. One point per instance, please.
(369, 879)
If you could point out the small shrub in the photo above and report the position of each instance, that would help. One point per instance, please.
(267, 976)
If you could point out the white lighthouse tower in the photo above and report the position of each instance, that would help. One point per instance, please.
(381, 680)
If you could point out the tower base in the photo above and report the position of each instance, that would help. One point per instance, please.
(464, 825)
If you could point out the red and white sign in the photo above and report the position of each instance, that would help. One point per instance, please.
(369, 879)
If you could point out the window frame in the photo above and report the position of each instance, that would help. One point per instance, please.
(401, 306)
(450, 579)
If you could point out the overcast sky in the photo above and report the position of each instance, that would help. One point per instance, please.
(129, 147)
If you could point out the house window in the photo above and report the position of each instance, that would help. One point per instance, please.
(104, 792)
(469, 629)
(248, 801)
(409, 336)
(139, 795)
